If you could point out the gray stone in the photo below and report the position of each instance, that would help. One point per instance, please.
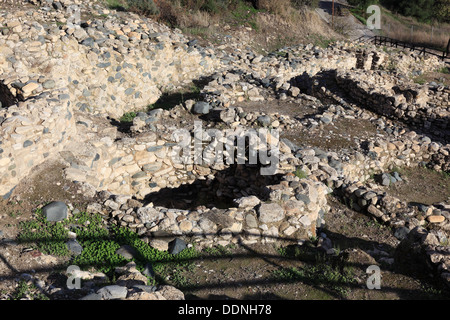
(55, 211)
(251, 221)
(401, 233)
(176, 246)
(264, 120)
(201, 108)
(270, 212)
(326, 119)
(227, 115)
(113, 292)
(86, 93)
(88, 42)
(92, 296)
(290, 144)
(148, 270)
(247, 202)
(74, 247)
(303, 197)
(385, 179)
(145, 288)
(139, 174)
(219, 218)
(369, 195)
(127, 252)
(49, 84)
(397, 176)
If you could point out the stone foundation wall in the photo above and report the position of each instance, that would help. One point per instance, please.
(382, 94)
(32, 132)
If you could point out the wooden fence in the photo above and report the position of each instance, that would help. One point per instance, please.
(384, 41)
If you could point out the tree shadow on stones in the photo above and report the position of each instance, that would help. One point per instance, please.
(238, 180)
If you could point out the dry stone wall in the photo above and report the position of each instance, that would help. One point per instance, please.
(32, 132)
(381, 94)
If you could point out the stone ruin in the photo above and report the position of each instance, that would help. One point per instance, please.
(60, 86)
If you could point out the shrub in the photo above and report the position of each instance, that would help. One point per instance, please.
(147, 7)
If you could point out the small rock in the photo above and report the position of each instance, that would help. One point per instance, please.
(148, 270)
(158, 244)
(247, 202)
(176, 246)
(201, 107)
(435, 219)
(55, 211)
(264, 120)
(385, 179)
(171, 293)
(113, 292)
(74, 247)
(126, 251)
(401, 233)
(92, 296)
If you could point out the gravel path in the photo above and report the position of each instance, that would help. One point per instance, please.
(355, 29)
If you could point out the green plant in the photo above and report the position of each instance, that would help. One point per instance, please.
(147, 7)
(100, 245)
(300, 173)
(47, 237)
(116, 4)
(217, 251)
(320, 41)
(128, 117)
(445, 70)
(21, 290)
(321, 274)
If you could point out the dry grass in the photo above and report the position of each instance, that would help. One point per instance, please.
(290, 27)
(273, 23)
(409, 30)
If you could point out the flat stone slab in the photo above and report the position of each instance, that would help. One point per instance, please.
(113, 292)
(270, 212)
(55, 211)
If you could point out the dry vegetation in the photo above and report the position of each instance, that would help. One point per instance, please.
(272, 23)
(410, 30)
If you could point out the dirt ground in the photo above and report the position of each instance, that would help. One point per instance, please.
(248, 273)
(436, 189)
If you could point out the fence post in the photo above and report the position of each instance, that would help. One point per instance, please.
(447, 51)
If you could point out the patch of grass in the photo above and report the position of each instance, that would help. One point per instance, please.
(23, 290)
(119, 5)
(244, 14)
(321, 275)
(45, 236)
(444, 70)
(100, 245)
(218, 251)
(420, 80)
(357, 15)
(320, 41)
(300, 173)
(128, 117)
(15, 214)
